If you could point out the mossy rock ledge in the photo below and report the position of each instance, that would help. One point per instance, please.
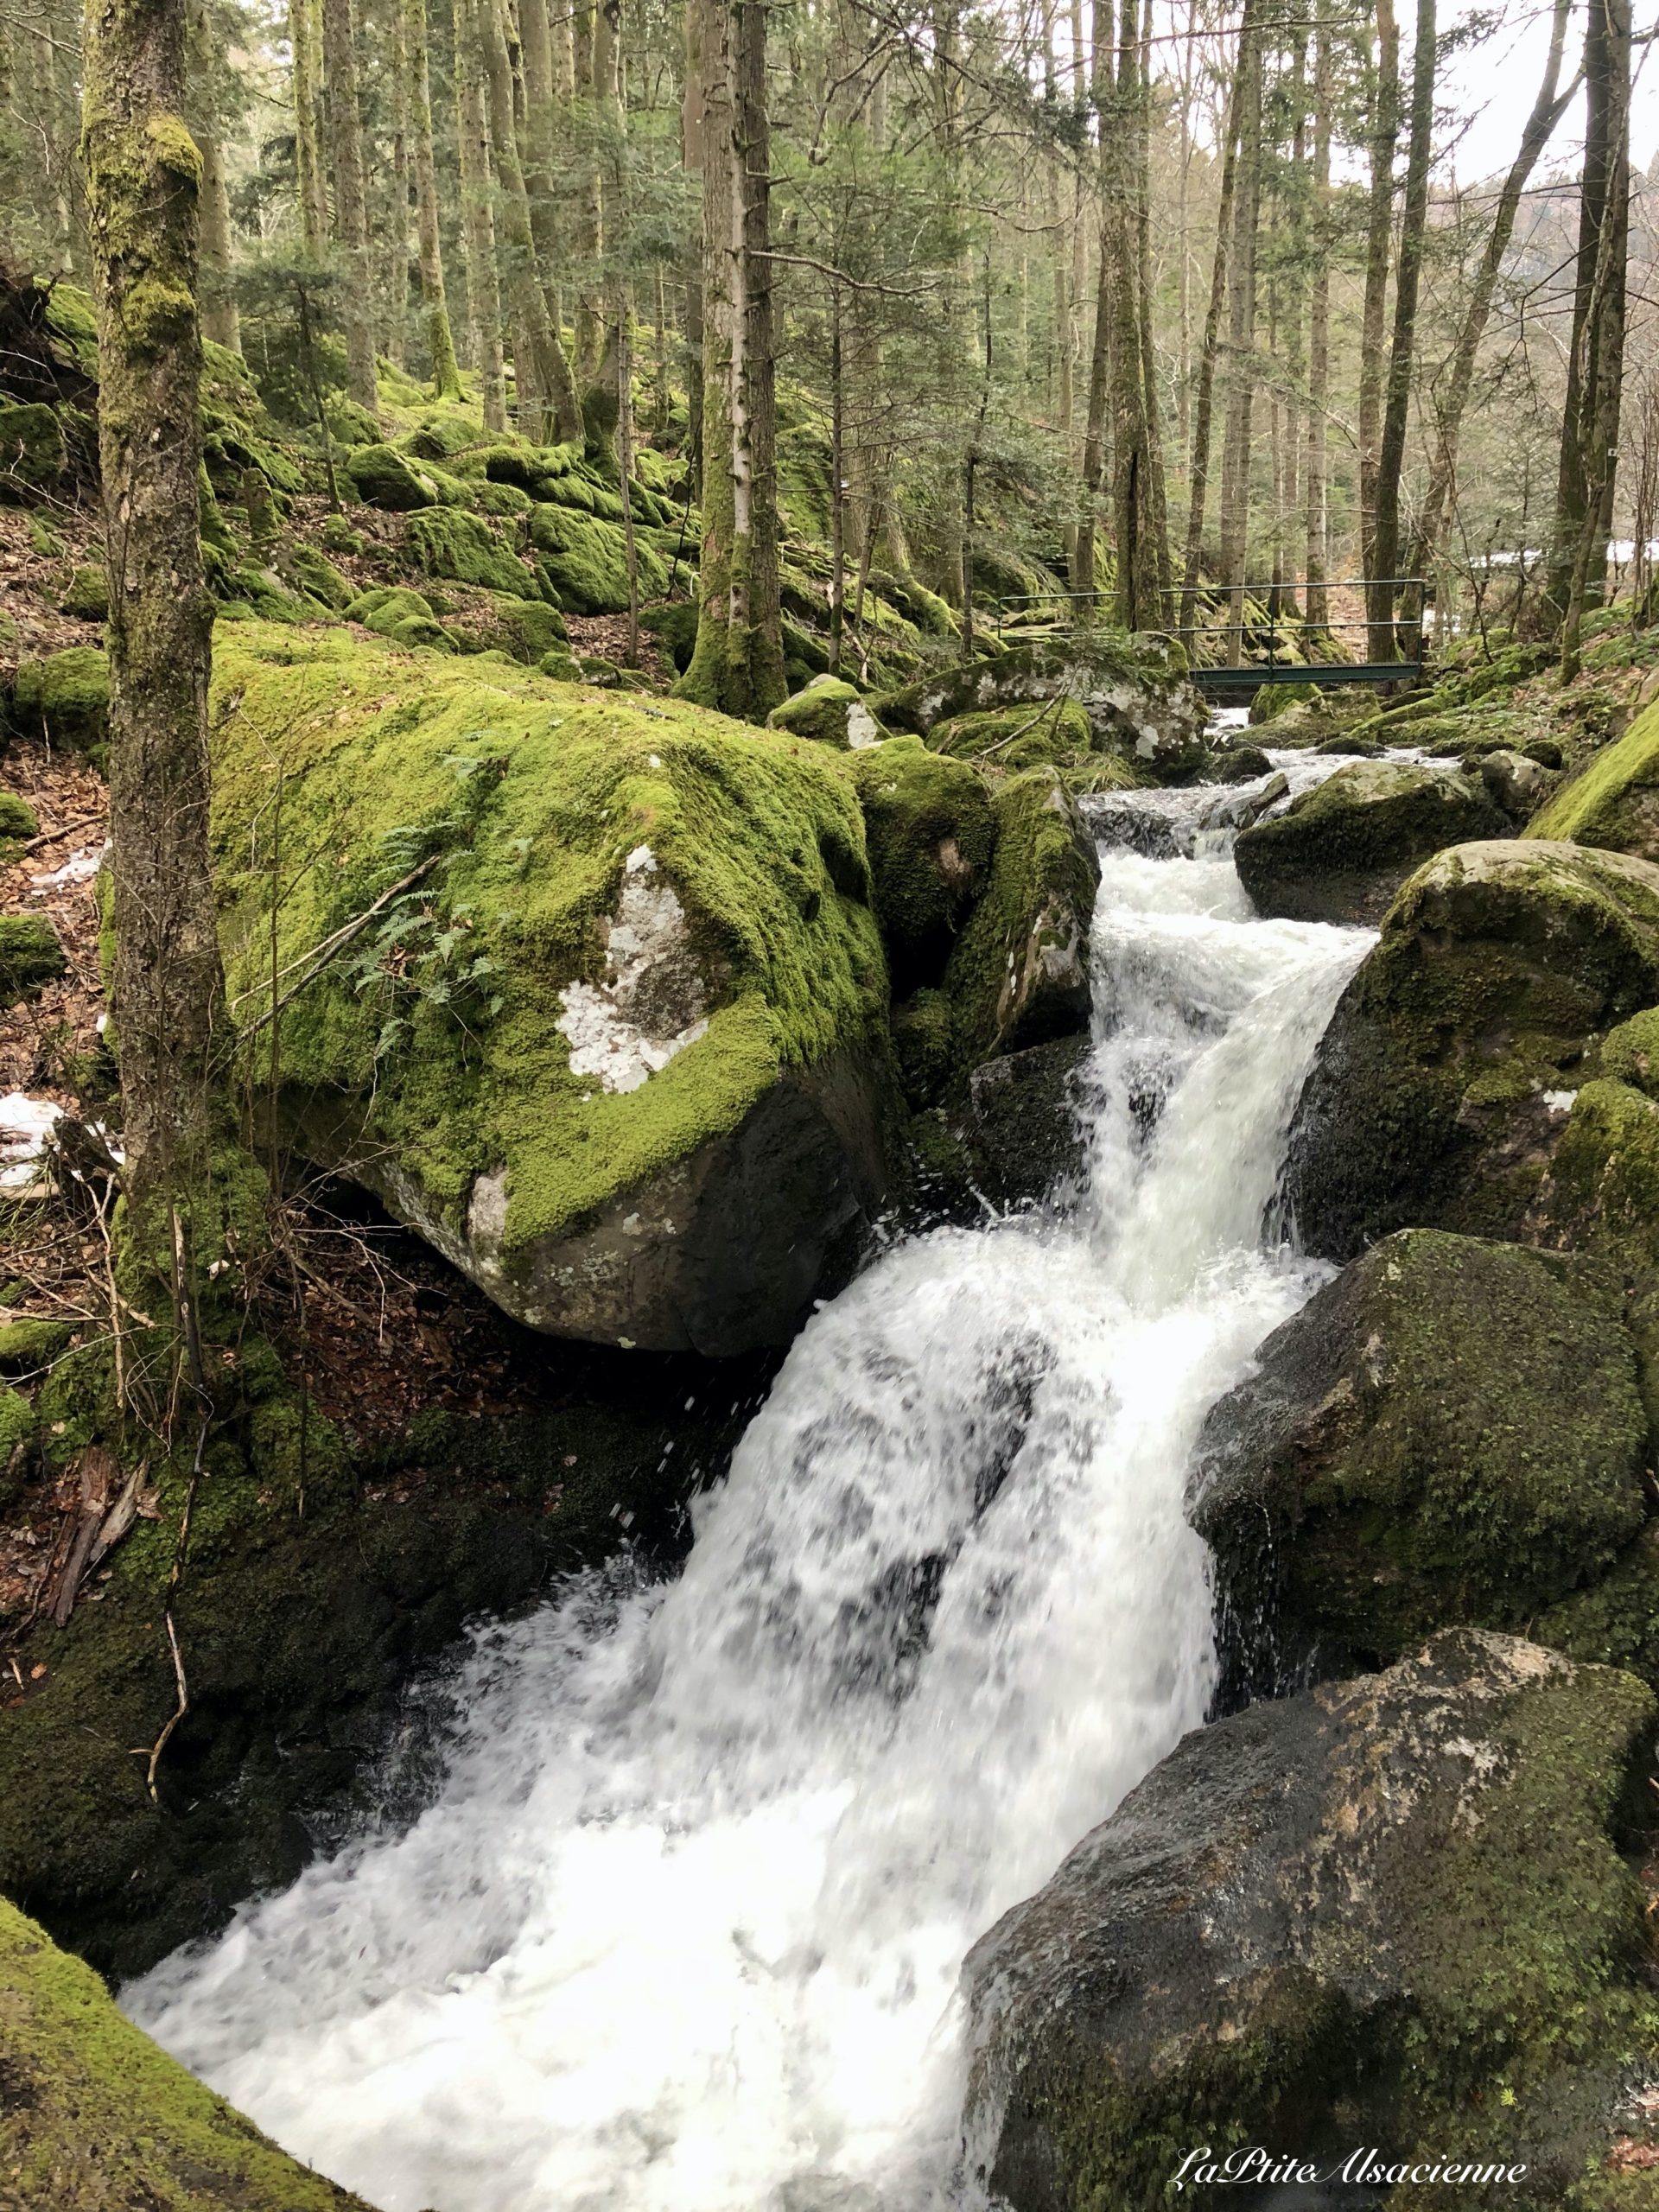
(1135, 692)
(1390, 1911)
(1445, 1077)
(1614, 801)
(623, 1058)
(1341, 851)
(94, 2116)
(1450, 1431)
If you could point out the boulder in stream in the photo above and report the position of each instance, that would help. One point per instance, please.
(1340, 851)
(588, 991)
(1449, 1066)
(1450, 1431)
(1614, 801)
(1391, 1911)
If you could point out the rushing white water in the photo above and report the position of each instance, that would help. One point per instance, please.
(681, 1932)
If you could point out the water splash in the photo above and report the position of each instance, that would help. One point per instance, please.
(681, 1931)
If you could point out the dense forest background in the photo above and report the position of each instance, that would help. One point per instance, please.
(1124, 301)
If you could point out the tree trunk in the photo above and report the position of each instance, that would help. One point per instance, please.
(1547, 112)
(219, 321)
(143, 174)
(1240, 399)
(483, 278)
(556, 386)
(1598, 348)
(307, 159)
(589, 329)
(1380, 599)
(351, 211)
(1204, 405)
(398, 241)
(1319, 341)
(738, 664)
(434, 307)
(1385, 138)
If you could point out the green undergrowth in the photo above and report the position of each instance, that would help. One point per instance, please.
(435, 1036)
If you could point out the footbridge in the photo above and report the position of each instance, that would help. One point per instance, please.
(1237, 637)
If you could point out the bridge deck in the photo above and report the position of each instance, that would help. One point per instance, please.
(1250, 677)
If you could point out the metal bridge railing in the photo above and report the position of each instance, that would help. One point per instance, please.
(1233, 624)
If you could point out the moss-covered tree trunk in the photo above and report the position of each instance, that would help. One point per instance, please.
(435, 306)
(397, 226)
(143, 176)
(1209, 349)
(220, 320)
(738, 663)
(1241, 327)
(350, 207)
(1319, 339)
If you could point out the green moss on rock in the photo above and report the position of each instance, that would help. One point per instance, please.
(1342, 850)
(830, 712)
(66, 697)
(931, 835)
(586, 559)
(87, 594)
(1451, 1431)
(33, 454)
(1437, 1094)
(18, 820)
(438, 1048)
(526, 629)
(96, 2116)
(1019, 975)
(30, 957)
(27, 1347)
(384, 477)
(1614, 801)
(1017, 737)
(445, 541)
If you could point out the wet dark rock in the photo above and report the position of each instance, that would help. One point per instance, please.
(1391, 1911)
(1342, 850)
(1451, 1431)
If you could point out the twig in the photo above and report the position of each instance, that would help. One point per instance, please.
(321, 955)
(55, 836)
(179, 1710)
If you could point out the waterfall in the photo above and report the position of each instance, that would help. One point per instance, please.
(681, 1929)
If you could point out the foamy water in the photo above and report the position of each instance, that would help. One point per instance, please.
(682, 1930)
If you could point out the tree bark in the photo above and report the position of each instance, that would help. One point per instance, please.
(1203, 404)
(435, 306)
(483, 276)
(351, 209)
(397, 242)
(220, 320)
(738, 663)
(1599, 347)
(143, 176)
(1241, 333)
(1381, 597)
(308, 158)
(1317, 605)
(1385, 138)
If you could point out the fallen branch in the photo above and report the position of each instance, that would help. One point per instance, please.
(55, 836)
(321, 955)
(179, 1710)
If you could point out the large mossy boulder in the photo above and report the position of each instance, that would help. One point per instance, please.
(1135, 691)
(383, 477)
(1390, 1912)
(94, 2116)
(586, 561)
(1020, 973)
(447, 542)
(1441, 1083)
(830, 712)
(1614, 801)
(1450, 1431)
(617, 1046)
(1340, 851)
(65, 697)
(930, 833)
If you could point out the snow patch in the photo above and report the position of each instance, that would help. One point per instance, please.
(864, 731)
(653, 1002)
(25, 1125)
